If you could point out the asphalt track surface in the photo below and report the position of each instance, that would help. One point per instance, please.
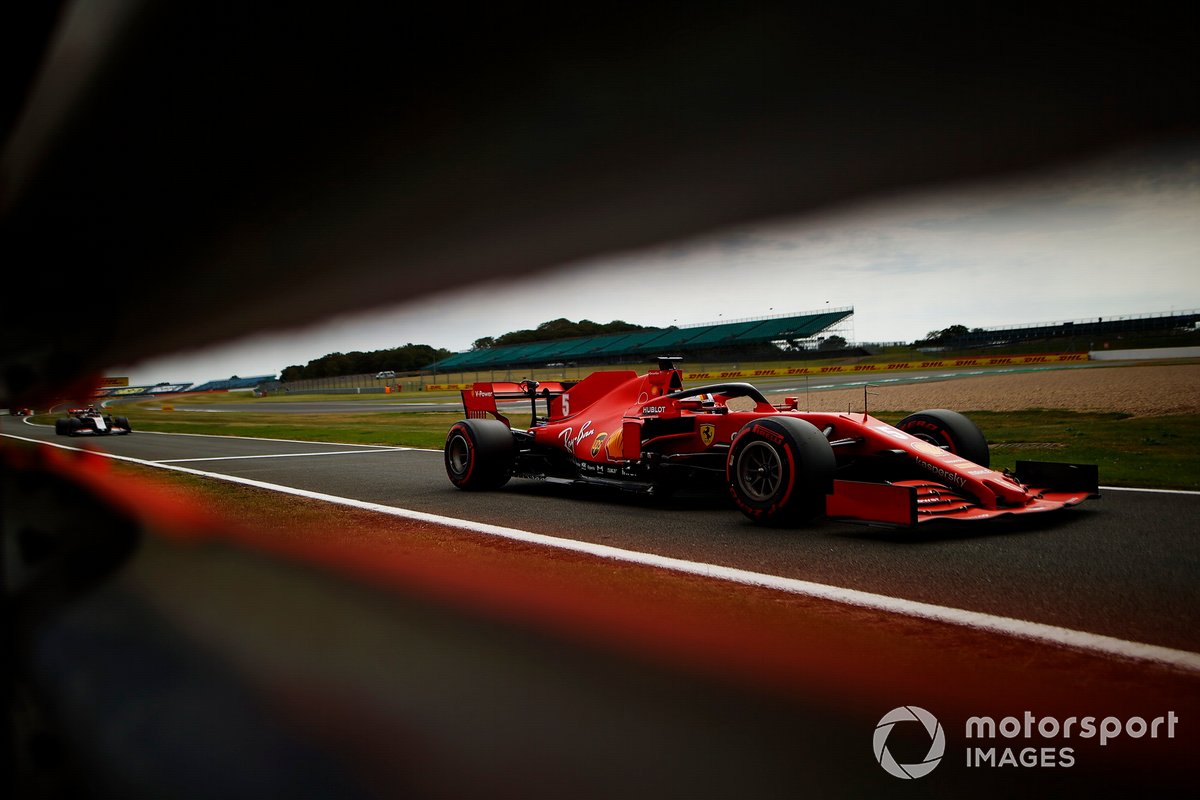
(1113, 582)
(1122, 566)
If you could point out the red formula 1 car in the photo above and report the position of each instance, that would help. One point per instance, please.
(780, 465)
(90, 420)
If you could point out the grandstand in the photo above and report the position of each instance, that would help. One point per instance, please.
(176, 388)
(234, 383)
(131, 391)
(795, 332)
(1085, 330)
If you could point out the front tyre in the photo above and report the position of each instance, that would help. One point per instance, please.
(479, 454)
(950, 431)
(780, 470)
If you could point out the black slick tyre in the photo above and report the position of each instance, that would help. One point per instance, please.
(479, 454)
(780, 470)
(950, 431)
(123, 424)
(61, 427)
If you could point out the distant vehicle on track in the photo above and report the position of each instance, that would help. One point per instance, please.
(89, 420)
(20, 412)
(780, 465)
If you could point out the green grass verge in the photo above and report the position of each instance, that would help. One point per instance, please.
(1149, 452)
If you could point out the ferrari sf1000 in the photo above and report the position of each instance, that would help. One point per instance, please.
(780, 465)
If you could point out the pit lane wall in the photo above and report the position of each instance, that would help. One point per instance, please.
(853, 369)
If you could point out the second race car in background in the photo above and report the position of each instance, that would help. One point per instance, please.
(91, 421)
(780, 465)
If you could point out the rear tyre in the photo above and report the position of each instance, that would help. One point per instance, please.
(780, 470)
(950, 431)
(479, 454)
(60, 427)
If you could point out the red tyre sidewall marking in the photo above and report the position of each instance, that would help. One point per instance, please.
(465, 432)
(791, 476)
(934, 430)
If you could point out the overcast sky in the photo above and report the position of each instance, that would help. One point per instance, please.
(1115, 237)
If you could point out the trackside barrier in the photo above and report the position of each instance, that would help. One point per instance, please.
(938, 363)
(782, 372)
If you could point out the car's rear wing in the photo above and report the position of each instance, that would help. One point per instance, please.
(480, 401)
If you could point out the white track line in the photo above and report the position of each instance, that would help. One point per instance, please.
(1023, 629)
(1148, 491)
(252, 438)
(283, 455)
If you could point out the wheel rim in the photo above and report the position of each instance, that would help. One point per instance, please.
(458, 455)
(759, 471)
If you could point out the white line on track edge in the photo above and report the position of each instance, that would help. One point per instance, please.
(284, 455)
(1023, 629)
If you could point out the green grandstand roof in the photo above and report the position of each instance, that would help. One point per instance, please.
(653, 342)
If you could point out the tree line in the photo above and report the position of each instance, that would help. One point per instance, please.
(560, 328)
(947, 335)
(409, 358)
(412, 357)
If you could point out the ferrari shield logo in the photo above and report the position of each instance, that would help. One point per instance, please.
(707, 434)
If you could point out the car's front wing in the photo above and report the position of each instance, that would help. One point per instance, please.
(1049, 487)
